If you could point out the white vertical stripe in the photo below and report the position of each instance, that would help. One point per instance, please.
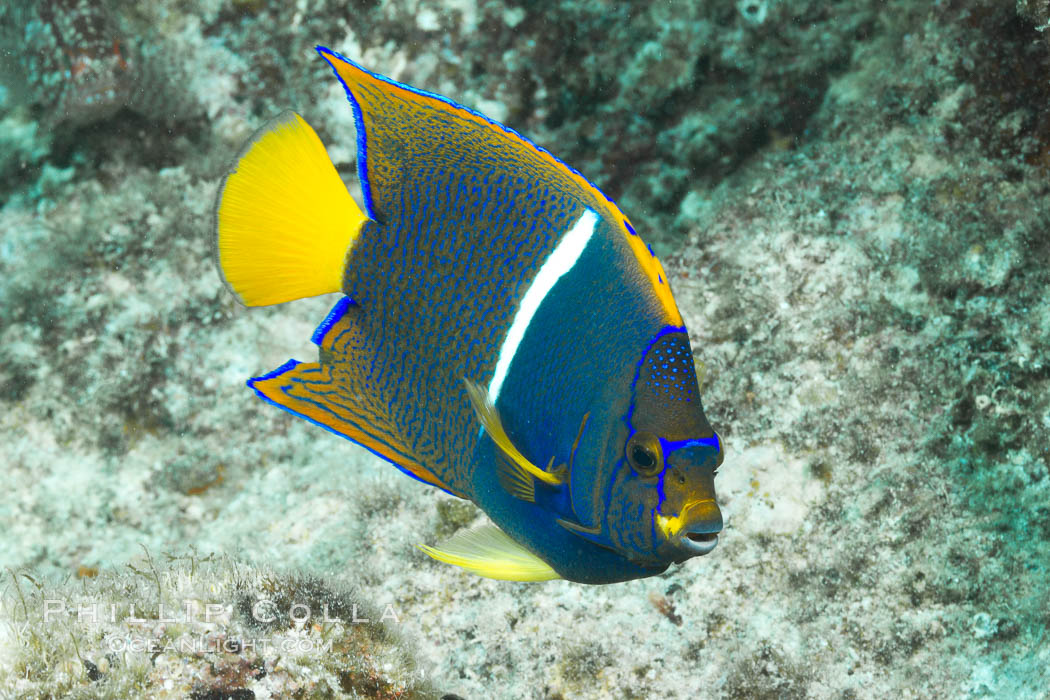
(560, 261)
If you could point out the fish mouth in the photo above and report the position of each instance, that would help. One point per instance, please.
(703, 522)
(699, 543)
(695, 530)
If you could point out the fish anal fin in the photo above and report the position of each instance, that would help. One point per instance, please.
(339, 334)
(310, 391)
(490, 552)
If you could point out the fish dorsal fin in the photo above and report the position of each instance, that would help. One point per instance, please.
(490, 552)
(407, 136)
(328, 395)
(403, 130)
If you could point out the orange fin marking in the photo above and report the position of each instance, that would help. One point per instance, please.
(410, 104)
(310, 391)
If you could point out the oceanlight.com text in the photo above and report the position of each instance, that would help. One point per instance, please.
(205, 644)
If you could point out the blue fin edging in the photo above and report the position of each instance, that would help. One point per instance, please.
(333, 317)
(362, 145)
(291, 365)
(359, 126)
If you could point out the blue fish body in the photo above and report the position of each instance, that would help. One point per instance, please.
(505, 335)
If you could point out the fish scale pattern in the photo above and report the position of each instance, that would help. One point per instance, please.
(671, 374)
(437, 307)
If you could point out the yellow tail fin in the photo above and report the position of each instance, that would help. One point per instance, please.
(284, 220)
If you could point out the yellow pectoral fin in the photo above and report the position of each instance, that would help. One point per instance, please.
(516, 461)
(488, 551)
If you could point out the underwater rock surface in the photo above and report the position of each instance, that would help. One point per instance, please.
(200, 628)
(852, 202)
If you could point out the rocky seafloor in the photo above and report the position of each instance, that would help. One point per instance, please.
(852, 202)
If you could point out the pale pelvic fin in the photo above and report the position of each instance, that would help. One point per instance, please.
(488, 551)
(490, 420)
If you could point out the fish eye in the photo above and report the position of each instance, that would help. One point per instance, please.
(644, 454)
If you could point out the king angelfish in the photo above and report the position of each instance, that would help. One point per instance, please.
(505, 334)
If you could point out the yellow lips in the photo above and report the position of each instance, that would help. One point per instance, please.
(693, 512)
